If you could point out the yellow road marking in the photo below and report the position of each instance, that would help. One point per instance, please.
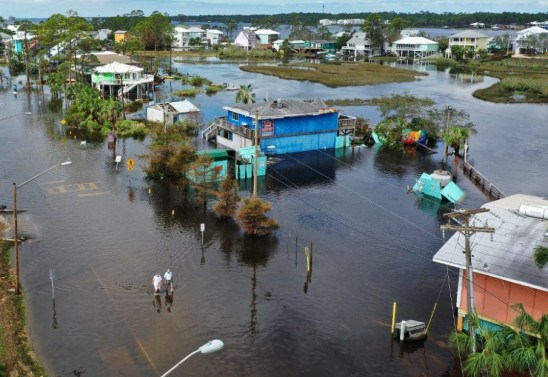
(146, 355)
(93, 194)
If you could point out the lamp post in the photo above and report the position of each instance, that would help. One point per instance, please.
(15, 235)
(210, 347)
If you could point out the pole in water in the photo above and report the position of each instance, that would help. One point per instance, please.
(202, 229)
(402, 331)
(393, 317)
(52, 278)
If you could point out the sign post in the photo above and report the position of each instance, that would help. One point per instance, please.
(118, 159)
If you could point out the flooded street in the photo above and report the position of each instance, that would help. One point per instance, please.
(106, 232)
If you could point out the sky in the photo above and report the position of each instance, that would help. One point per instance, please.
(94, 8)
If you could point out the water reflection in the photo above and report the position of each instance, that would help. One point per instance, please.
(301, 169)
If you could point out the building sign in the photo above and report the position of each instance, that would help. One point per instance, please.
(267, 128)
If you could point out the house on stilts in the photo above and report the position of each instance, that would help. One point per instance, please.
(122, 80)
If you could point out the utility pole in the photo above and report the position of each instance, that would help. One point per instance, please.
(256, 158)
(463, 218)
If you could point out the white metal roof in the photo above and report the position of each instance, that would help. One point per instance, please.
(508, 255)
(415, 41)
(184, 106)
(266, 31)
(116, 67)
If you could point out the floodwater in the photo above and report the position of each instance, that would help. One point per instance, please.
(106, 231)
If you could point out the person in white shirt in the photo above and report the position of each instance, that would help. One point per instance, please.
(168, 277)
(157, 282)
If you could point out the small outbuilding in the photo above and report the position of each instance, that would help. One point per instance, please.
(171, 112)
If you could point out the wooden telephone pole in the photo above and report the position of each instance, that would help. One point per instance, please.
(463, 219)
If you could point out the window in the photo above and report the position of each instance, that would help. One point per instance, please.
(235, 116)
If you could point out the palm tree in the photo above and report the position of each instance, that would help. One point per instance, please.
(541, 256)
(529, 355)
(245, 94)
(491, 358)
(455, 136)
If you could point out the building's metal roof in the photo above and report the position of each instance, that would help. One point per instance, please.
(469, 34)
(508, 255)
(266, 32)
(184, 106)
(116, 67)
(282, 108)
(415, 41)
(179, 107)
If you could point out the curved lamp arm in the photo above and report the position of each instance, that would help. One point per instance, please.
(210, 347)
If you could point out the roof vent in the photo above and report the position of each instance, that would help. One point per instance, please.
(537, 212)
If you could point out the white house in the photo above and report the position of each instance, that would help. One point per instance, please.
(519, 47)
(266, 36)
(183, 35)
(246, 39)
(214, 36)
(414, 48)
(171, 112)
(357, 45)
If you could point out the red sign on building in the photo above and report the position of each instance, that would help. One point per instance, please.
(267, 128)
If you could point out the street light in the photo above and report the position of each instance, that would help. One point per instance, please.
(210, 347)
(15, 235)
(446, 150)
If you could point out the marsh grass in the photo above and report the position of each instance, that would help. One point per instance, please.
(522, 80)
(338, 74)
(187, 92)
(16, 357)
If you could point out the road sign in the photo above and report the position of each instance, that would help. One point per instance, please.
(130, 163)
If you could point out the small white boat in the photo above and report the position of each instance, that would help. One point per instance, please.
(230, 86)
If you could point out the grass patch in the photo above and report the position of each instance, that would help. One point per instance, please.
(337, 74)
(212, 89)
(16, 357)
(348, 102)
(187, 92)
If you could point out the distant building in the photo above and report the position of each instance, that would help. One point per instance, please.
(182, 36)
(468, 39)
(478, 25)
(214, 37)
(522, 35)
(504, 268)
(266, 36)
(357, 45)
(414, 48)
(246, 39)
(121, 36)
(102, 35)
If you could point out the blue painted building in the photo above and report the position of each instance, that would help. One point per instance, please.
(283, 126)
